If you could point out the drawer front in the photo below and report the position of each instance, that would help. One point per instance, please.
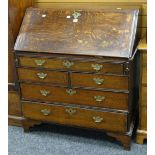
(41, 63)
(43, 76)
(75, 65)
(75, 96)
(75, 116)
(99, 81)
(98, 67)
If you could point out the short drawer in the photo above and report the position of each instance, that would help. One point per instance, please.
(99, 81)
(33, 75)
(75, 116)
(74, 65)
(103, 99)
(91, 66)
(41, 62)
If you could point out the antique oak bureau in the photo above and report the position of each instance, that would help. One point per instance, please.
(76, 67)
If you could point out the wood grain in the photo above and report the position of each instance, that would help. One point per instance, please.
(81, 97)
(106, 4)
(143, 120)
(14, 104)
(94, 48)
(81, 65)
(141, 136)
(11, 68)
(16, 13)
(110, 81)
(143, 96)
(141, 133)
(85, 36)
(53, 77)
(81, 117)
(125, 1)
(16, 10)
(15, 120)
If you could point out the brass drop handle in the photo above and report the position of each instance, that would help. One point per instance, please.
(97, 67)
(40, 62)
(98, 81)
(97, 119)
(99, 98)
(42, 75)
(70, 111)
(68, 64)
(45, 112)
(44, 92)
(76, 14)
(71, 91)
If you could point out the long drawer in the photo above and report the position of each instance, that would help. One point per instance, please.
(100, 81)
(76, 116)
(75, 96)
(33, 75)
(75, 65)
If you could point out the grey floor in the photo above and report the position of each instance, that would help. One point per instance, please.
(56, 140)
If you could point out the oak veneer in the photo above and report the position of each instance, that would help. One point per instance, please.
(81, 64)
(142, 126)
(81, 96)
(91, 44)
(15, 16)
(76, 116)
(107, 81)
(53, 77)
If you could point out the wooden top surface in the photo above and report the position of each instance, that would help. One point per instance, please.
(96, 32)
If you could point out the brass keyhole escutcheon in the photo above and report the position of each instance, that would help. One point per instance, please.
(70, 111)
(71, 91)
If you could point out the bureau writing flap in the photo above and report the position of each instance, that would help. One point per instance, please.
(96, 32)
